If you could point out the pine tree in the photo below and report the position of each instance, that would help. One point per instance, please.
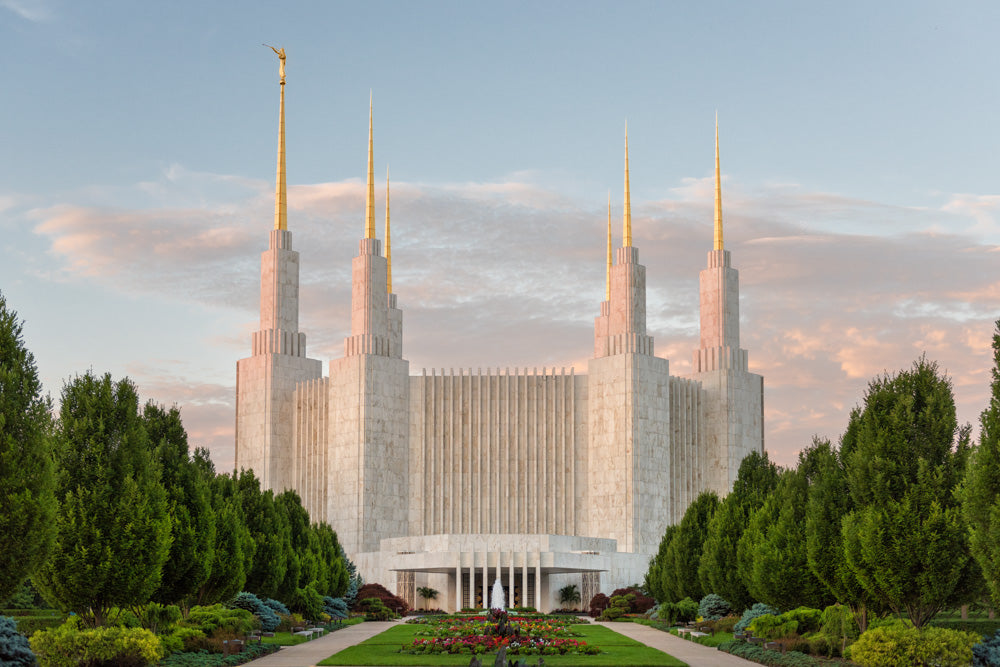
(656, 574)
(27, 475)
(717, 569)
(112, 526)
(980, 490)
(684, 552)
(233, 548)
(188, 503)
(273, 556)
(779, 573)
(906, 541)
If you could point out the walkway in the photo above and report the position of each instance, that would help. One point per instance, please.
(693, 653)
(311, 652)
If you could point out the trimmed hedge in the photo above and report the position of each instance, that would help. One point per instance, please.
(765, 657)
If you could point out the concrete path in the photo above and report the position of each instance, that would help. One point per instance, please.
(693, 653)
(310, 653)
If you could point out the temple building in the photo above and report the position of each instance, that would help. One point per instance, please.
(455, 479)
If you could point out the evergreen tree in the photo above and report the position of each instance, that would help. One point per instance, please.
(334, 578)
(271, 534)
(906, 541)
(717, 569)
(684, 552)
(27, 475)
(112, 527)
(302, 538)
(233, 547)
(829, 502)
(980, 490)
(189, 505)
(775, 542)
(655, 575)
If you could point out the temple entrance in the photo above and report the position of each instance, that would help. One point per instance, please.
(515, 599)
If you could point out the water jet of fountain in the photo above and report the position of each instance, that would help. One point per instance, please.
(496, 597)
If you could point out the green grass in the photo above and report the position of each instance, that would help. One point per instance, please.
(617, 650)
(289, 639)
(284, 639)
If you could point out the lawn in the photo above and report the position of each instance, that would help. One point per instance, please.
(289, 639)
(617, 650)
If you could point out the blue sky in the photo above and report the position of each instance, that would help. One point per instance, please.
(859, 156)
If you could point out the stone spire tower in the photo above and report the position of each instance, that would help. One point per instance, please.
(266, 380)
(734, 405)
(369, 400)
(629, 409)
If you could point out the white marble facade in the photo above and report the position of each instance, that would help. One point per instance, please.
(559, 477)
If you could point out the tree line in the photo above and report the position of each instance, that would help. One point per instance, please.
(903, 515)
(105, 506)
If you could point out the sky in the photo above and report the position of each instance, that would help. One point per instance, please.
(860, 166)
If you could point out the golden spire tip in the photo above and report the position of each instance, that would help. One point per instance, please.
(370, 196)
(718, 190)
(280, 188)
(627, 221)
(388, 250)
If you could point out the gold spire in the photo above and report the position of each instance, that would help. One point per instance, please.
(627, 222)
(280, 194)
(718, 189)
(388, 252)
(607, 282)
(370, 200)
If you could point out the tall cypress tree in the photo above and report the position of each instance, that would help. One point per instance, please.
(657, 574)
(906, 541)
(980, 490)
(273, 556)
(112, 527)
(717, 568)
(27, 474)
(684, 552)
(232, 551)
(188, 503)
(774, 544)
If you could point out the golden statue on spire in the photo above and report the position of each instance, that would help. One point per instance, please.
(281, 58)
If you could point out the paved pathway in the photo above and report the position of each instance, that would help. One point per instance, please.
(693, 653)
(311, 652)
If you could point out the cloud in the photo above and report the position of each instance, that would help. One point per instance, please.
(36, 11)
(835, 290)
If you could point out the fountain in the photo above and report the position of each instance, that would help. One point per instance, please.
(496, 597)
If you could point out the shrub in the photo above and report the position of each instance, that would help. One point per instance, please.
(308, 602)
(726, 623)
(766, 657)
(808, 619)
(335, 607)
(598, 604)
(220, 619)
(375, 610)
(14, 648)
(276, 606)
(158, 618)
(69, 646)
(378, 591)
(772, 627)
(640, 602)
(713, 606)
(28, 625)
(899, 644)
(837, 622)
(679, 612)
(181, 639)
(987, 652)
(268, 619)
(759, 609)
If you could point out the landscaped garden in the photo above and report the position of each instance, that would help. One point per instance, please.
(456, 639)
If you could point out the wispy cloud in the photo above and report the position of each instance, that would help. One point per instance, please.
(36, 11)
(834, 290)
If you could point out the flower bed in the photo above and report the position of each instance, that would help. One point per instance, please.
(487, 634)
(490, 644)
